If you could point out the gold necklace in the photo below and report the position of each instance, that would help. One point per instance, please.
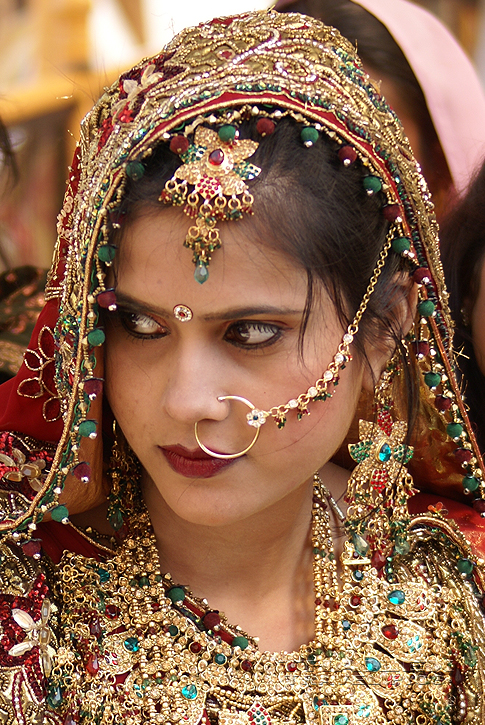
(380, 647)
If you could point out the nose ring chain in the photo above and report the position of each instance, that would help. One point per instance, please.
(228, 456)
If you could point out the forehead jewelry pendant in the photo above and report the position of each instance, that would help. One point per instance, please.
(182, 313)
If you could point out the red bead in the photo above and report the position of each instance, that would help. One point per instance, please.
(112, 611)
(355, 601)
(378, 560)
(179, 144)
(463, 455)
(422, 348)
(421, 274)
(392, 212)
(32, 548)
(246, 665)
(195, 647)
(211, 620)
(479, 505)
(291, 666)
(265, 127)
(82, 472)
(93, 387)
(390, 631)
(216, 157)
(107, 300)
(347, 155)
(442, 403)
(92, 665)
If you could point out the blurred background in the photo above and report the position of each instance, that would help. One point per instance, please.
(55, 58)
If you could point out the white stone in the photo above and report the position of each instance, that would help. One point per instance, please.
(23, 619)
(327, 376)
(293, 403)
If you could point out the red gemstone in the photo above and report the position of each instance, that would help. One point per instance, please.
(421, 274)
(246, 665)
(95, 627)
(265, 127)
(347, 155)
(422, 348)
(479, 505)
(457, 676)
(195, 647)
(92, 665)
(463, 455)
(211, 620)
(442, 403)
(390, 631)
(216, 157)
(378, 560)
(107, 300)
(112, 611)
(392, 212)
(318, 601)
(179, 144)
(355, 601)
(291, 666)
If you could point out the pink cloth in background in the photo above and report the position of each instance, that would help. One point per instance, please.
(450, 84)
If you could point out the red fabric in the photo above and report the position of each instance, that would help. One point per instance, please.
(58, 538)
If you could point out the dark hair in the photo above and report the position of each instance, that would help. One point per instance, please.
(7, 157)
(463, 253)
(311, 207)
(381, 54)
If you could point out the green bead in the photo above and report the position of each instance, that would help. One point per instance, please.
(372, 184)
(87, 429)
(465, 566)
(454, 430)
(96, 337)
(432, 380)
(401, 244)
(426, 308)
(60, 513)
(201, 273)
(241, 642)
(470, 483)
(176, 594)
(135, 170)
(309, 135)
(227, 133)
(115, 518)
(106, 253)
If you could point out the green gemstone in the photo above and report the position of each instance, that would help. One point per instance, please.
(189, 692)
(340, 720)
(106, 253)
(426, 308)
(131, 644)
(465, 566)
(173, 630)
(87, 429)
(176, 594)
(454, 430)
(60, 513)
(346, 625)
(358, 575)
(104, 575)
(220, 659)
(241, 642)
(96, 337)
(401, 244)
(201, 273)
(396, 597)
(372, 184)
(227, 133)
(372, 664)
(360, 544)
(135, 170)
(402, 547)
(309, 135)
(144, 581)
(54, 697)
(432, 380)
(385, 453)
(469, 656)
(115, 518)
(470, 483)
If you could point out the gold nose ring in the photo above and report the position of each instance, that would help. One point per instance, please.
(228, 456)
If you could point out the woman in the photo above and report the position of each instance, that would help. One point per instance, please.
(426, 78)
(243, 212)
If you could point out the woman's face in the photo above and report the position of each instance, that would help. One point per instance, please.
(164, 375)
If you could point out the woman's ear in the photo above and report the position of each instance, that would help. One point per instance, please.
(400, 319)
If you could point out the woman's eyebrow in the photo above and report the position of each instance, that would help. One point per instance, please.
(235, 313)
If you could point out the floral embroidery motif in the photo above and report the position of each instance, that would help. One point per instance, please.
(41, 361)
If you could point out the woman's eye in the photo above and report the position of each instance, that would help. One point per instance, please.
(141, 325)
(252, 334)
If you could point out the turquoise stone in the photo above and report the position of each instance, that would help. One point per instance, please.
(241, 642)
(201, 273)
(346, 625)
(173, 630)
(60, 513)
(360, 544)
(341, 720)
(176, 594)
(131, 644)
(358, 575)
(396, 597)
(116, 519)
(87, 429)
(372, 664)
(227, 133)
(385, 453)
(364, 711)
(189, 692)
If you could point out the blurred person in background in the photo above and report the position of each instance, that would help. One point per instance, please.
(425, 76)
(21, 289)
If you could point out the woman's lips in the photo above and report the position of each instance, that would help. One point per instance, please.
(193, 464)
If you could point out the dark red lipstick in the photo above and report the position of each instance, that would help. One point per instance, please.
(193, 464)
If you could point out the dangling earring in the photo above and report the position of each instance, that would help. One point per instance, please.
(380, 484)
(465, 317)
(123, 474)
